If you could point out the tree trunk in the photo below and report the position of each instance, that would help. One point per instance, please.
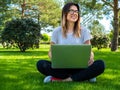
(114, 44)
(23, 8)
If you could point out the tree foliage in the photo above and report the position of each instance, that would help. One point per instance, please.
(24, 33)
(97, 28)
(45, 12)
(5, 14)
(50, 13)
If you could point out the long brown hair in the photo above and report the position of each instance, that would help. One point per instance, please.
(65, 10)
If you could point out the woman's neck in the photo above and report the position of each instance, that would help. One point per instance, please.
(70, 27)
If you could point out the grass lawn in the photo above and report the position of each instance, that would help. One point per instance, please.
(18, 71)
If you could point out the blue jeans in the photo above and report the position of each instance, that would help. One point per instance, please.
(92, 71)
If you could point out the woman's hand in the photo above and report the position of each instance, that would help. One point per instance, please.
(49, 54)
(90, 62)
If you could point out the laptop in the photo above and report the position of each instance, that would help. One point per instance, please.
(70, 56)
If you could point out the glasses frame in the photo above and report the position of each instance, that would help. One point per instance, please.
(71, 11)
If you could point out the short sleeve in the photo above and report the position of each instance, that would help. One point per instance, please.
(54, 37)
(86, 34)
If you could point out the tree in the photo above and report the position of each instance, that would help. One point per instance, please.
(45, 12)
(5, 14)
(22, 32)
(116, 9)
(50, 13)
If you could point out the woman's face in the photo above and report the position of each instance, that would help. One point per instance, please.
(72, 15)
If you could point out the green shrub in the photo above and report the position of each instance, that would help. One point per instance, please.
(100, 41)
(24, 33)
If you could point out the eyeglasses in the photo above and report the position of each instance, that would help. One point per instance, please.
(71, 11)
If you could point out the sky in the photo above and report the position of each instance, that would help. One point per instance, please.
(106, 24)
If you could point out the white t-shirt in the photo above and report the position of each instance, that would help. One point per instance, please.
(58, 38)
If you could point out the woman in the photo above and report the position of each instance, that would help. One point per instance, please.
(70, 32)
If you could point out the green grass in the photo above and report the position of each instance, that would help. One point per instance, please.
(18, 71)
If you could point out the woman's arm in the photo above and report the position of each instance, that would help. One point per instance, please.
(90, 62)
(49, 52)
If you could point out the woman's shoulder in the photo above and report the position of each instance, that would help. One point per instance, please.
(57, 29)
(84, 29)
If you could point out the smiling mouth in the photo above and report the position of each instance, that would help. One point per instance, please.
(73, 17)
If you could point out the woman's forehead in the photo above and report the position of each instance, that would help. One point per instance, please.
(73, 7)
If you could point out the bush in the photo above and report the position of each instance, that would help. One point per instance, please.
(45, 37)
(100, 42)
(24, 33)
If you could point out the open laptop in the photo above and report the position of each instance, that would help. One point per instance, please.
(70, 56)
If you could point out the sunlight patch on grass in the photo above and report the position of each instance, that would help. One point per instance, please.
(22, 57)
(102, 49)
(111, 74)
(10, 76)
(108, 76)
